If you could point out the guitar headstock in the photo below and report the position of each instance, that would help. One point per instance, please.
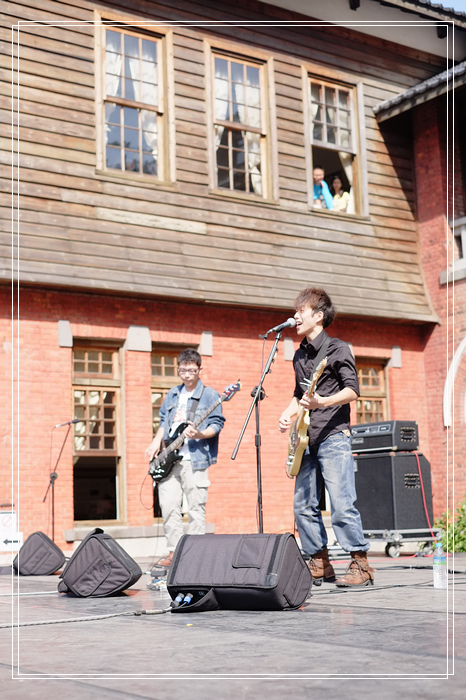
(231, 390)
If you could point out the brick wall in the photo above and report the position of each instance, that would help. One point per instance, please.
(447, 447)
(45, 399)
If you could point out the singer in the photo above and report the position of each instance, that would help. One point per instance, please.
(190, 476)
(328, 458)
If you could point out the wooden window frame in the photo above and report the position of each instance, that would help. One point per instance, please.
(163, 383)
(377, 394)
(166, 166)
(90, 382)
(329, 77)
(269, 153)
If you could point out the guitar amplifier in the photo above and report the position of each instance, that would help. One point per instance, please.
(394, 491)
(390, 435)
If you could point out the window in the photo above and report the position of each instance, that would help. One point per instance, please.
(95, 437)
(164, 377)
(333, 141)
(96, 430)
(132, 101)
(371, 406)
(239, 125)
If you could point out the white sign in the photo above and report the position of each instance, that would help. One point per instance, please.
(10, 539)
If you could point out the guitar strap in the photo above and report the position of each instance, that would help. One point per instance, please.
(193, 408)
(320, 355)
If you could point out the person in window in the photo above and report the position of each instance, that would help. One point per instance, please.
(322, 196)
(340, 196)
(190, 476)
(328, 457)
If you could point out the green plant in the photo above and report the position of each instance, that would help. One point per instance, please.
(453, 530)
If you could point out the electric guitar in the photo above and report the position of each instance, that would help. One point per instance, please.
(298, 438)
(161, 465)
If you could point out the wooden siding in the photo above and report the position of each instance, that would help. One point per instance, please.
(103, 231)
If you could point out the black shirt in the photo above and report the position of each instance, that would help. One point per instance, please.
(340, 372)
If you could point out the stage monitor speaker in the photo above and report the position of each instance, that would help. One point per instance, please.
(38, 556)
(99, 568)
(389, 491)
(239, 572)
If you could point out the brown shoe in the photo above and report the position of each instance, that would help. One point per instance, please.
(358, 573)
(166, 561)
(321, 568)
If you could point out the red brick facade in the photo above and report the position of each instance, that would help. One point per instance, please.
(45, 399)
(431, 149)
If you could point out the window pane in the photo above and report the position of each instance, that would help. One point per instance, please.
(132, 90)
(237, 72)
(330, 115)
(221, 68)
(113, 41)
(329, 96)
(131, 45)
(131, 161)
(149, 72)
(113, 158)
(149, 50)
(344, 119)
(149, 93)
(131, 117)
(221, 110)
(315, 92)
(223, 178)
(343, 99)
(112, 113)
(317, 132)
(149, 165)
(239, 181)
(113, 85)
(132, 68)
(253, 76)
(254, 117)
(345, 139)
(113, 135)
(331, 134)
(131, 138)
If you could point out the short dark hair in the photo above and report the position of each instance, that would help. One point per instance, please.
(318, 300)
(189, 355)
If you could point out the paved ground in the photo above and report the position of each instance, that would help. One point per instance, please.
(398, 639)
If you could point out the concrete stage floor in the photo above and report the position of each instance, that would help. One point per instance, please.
(398, 639)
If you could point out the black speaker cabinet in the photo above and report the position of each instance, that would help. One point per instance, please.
(389, 492)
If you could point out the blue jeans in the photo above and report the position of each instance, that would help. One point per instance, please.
(331, 462)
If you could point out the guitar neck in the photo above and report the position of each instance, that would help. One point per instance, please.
(180, 439)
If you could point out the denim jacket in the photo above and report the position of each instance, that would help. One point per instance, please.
(203, 453)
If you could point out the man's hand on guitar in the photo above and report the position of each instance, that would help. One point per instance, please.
(284, 422)
(312, 402)
(154, 448)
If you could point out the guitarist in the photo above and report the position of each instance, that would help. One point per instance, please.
(190, 476)
(328, 458)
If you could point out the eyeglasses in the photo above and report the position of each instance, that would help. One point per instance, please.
(188, 371)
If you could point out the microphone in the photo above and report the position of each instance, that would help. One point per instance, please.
(60, 425)
(289, 323)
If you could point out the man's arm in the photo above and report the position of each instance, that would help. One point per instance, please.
(288, 415)
(156, 443)
(341, 398)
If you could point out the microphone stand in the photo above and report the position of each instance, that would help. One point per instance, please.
(53, 477)
(258, 394)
